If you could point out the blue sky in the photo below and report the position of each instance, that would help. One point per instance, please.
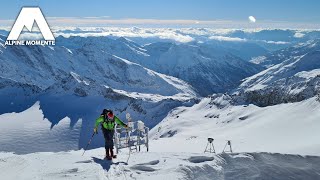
(293, 11)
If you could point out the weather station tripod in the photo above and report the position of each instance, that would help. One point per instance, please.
(210, 146)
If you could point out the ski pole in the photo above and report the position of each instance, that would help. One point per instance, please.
(88, 143)
(128, 135)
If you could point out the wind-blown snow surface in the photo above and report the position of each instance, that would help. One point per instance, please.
(152, 165)
(29, 131)
(284, 128)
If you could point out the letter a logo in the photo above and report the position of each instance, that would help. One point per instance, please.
(27, 17)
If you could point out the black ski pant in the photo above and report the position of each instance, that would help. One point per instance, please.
(108, 137)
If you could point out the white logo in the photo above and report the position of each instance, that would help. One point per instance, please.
(27, 17)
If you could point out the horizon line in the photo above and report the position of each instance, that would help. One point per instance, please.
(218, 23)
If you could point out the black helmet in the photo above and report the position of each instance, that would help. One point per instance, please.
(106, 111)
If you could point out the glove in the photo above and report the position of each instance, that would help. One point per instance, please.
(95, 130)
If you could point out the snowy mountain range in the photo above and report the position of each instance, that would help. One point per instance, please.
(209, 68)
(294, 77)
(186, 84)
(82, 75)
(276, 57)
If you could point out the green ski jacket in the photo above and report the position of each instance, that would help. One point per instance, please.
(109, 125)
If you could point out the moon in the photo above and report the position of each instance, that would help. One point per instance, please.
(252, 19)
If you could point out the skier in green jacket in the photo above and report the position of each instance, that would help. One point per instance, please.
(108, 121)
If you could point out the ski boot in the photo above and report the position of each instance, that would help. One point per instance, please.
(114, 156)
(108, 157)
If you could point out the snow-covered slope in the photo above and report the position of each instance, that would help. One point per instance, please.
(28, 132)
(177, 145)
(153, 165)
(284, 128)
(294, 79)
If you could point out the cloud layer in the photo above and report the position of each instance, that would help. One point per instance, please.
(224, 38)
(180, 35)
